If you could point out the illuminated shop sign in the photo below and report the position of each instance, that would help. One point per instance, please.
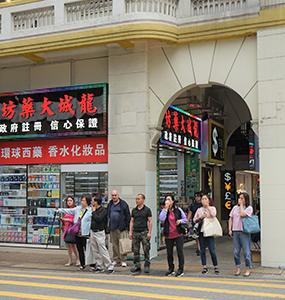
(181, 130)
(57, 151)
(64, 111)
(251, 156)
(228, 193)
(217, 142)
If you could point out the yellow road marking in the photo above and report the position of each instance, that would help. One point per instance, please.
(190, 288)
(96, 290)
(152, 277)
(34, 296)
(240, 283)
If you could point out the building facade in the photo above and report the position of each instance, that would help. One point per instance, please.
(153, 54)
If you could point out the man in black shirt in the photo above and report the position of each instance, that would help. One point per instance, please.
(192, 210)
(140, 232)
(97, 237)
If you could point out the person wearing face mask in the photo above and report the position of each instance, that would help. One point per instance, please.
(240, 238)
(173, 216)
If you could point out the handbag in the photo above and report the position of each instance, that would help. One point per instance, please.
(125, 246)
(197, 228)
(184, 228)
(69, 239)
(250, 224)
(74, 229)
(212, 227)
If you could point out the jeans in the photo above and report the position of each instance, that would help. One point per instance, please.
(211, 245)
(241, 240)
(179, 248)
(141, 237)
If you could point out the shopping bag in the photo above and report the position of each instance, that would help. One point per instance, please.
(250, 224)
(125, 246)
(89, 257)
(212, 227)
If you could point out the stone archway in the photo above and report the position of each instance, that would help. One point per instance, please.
(174, 69)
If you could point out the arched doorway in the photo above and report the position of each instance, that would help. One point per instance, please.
(183, 171)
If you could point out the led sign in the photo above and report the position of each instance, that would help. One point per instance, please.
(181, 130)
(64, 111)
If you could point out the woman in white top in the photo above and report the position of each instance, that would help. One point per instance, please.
(207, 211)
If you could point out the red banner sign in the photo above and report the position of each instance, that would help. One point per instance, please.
(61, 151)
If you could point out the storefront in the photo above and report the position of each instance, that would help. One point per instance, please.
(59, 148)
(178, 164)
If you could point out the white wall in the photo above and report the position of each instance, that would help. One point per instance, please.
(271, 96)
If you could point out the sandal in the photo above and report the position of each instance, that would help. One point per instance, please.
(81, 268)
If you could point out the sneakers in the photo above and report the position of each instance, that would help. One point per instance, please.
(146, 269)
(135, 270)
(179, 273)
(97, 270)
(217, 272)
(124, 265)
(205, 271)
(114, 264)
(169, 273)
(110, 272)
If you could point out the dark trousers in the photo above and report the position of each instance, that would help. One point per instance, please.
(81, 244)
(179, 248)
(211, 245)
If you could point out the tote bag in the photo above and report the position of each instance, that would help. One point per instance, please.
(125, 246)
(250, 224)
(212, 227)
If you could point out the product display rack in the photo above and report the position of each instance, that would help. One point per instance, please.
(78, 184)
(13, 204)
(168, 182)
(43, 200)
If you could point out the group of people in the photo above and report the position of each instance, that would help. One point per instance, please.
(203, 207)
(95, 220)
(138, 225)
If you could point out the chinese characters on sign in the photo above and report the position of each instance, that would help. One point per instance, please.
(181, 130)
(228, 193)
(217, 142)
(54, 151)
(75, 110)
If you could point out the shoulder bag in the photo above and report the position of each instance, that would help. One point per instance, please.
(74, 229)
(69, 239)
(250, 224)
(212, 227)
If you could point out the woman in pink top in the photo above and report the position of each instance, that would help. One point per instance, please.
(173, 216)
(68, 221)
(240, 238)
(207, 211)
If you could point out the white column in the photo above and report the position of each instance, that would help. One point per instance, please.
(131, 164)
(271, 98)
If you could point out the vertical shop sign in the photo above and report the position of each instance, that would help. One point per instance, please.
(217, 142)
(181, 130)
(192, 174)
(251, 156)
(228, 193)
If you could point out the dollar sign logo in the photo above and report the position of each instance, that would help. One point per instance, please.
(215, 144)
(227, 176)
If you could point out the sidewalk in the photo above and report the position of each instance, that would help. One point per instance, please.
(54, 259)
